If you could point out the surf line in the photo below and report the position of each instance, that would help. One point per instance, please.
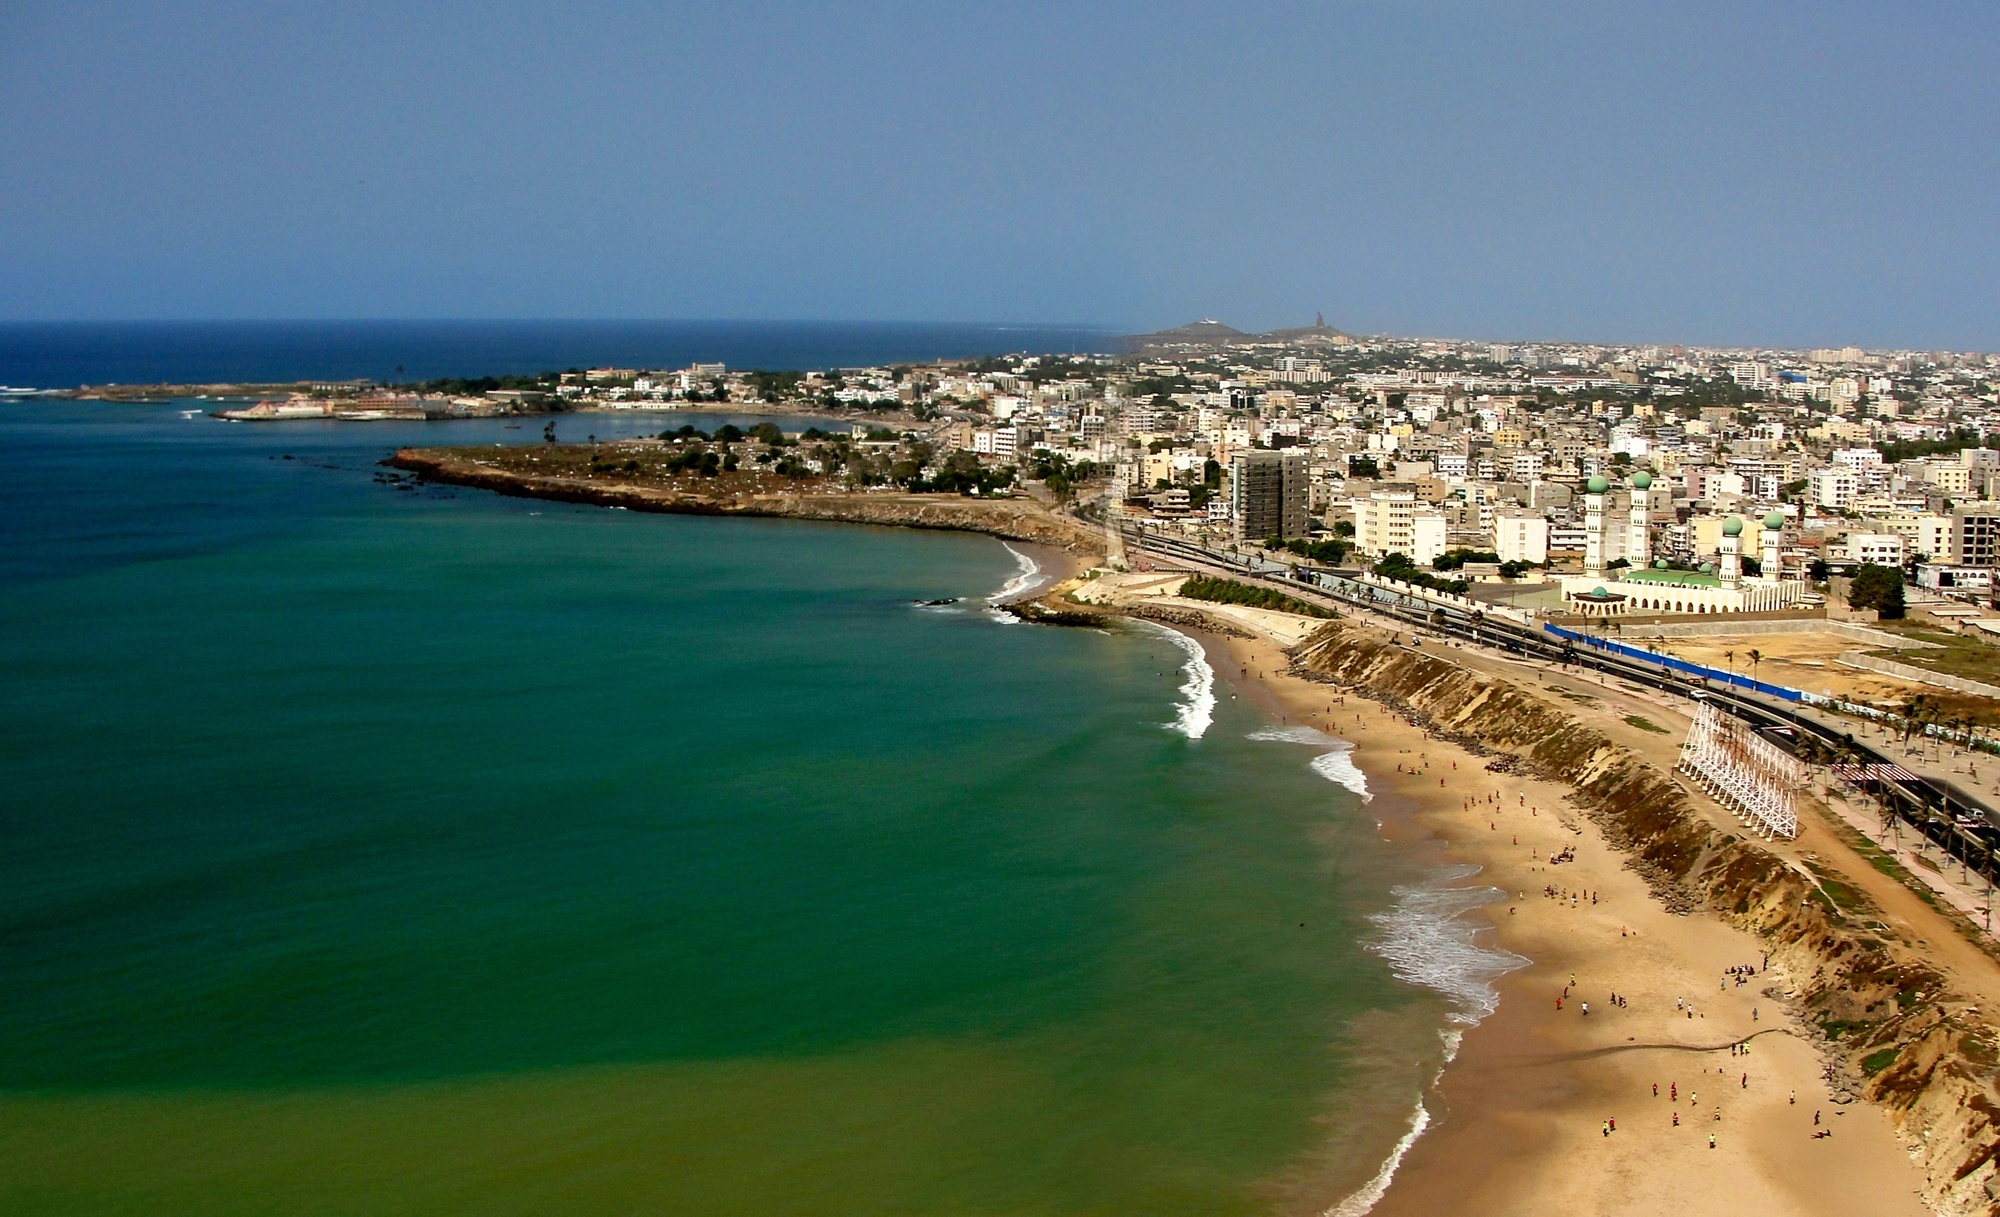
(1025, 577)
(1426, 941)
(1336, 764)
(1197, 705)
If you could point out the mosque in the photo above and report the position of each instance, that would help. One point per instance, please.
(1647, 587)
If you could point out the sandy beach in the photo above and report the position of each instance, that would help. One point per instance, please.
(1549, 1106)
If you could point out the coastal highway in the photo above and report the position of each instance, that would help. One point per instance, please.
(1961, 823)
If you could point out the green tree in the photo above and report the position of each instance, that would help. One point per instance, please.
(1879, 588)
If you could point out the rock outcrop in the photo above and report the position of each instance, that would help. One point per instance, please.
(1017, 519)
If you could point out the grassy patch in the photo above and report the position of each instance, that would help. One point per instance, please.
(1837, 896)
(1836, 1028)
(1645, 724)
(1875, 1062)
(1229, 591)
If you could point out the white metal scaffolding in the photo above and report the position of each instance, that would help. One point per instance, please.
(1746, 773)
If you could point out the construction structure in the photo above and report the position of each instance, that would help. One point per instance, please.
(1744, 772)
(1268, 493)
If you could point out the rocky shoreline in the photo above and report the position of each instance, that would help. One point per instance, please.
(1012, 519)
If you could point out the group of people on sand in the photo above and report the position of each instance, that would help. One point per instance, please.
(1565, 896)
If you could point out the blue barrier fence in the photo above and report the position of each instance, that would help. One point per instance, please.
(1719, 676)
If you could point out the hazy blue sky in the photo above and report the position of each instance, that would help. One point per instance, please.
(1728, 172)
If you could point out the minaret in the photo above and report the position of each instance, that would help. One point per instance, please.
(1639, 528)
(1732, 552)
(1767, 559)
(1593, 524)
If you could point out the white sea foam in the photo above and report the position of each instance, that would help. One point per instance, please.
(1301, 734)
(1369, 1194)
(1427, 941)
(1024, 578)
(1197, 709)
(1338, 766)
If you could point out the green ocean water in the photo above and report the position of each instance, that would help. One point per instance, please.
(376, 851)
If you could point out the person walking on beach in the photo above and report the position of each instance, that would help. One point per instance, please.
(1711, 1140)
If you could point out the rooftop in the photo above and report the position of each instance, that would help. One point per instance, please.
(1672, 578)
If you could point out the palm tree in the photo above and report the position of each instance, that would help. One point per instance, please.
(1756, 657)
(1729, 661)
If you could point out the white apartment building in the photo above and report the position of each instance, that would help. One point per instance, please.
(1521, 536)
(1393, 521)
(1834, 487)
(1881, 548)
(999, 442)
(1922, 532)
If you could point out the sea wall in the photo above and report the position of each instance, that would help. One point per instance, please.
(1904, 671)
(1010, 519)
(1889, 1028)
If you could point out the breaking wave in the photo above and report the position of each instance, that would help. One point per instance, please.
(1427, 941)
(1338, 767)
(1024, 578)
(1336, 764)
(1197, 707)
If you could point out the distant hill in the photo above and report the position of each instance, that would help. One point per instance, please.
(1211, 333)
(1205, 333)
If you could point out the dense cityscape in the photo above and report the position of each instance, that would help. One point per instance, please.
(1725, 480)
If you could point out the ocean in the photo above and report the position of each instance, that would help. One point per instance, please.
(64, 355)
(374, 848)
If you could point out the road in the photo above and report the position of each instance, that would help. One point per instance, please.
(1940, 809)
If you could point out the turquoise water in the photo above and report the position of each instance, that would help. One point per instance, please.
(379, 850)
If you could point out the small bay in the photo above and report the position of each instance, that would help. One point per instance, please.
(368, 849)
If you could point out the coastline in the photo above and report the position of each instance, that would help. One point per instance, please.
(1012, 519)
(1520, 1116)
(1515, 1122)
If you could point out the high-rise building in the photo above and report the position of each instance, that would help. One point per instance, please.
(1975, 536)
(1268, 493)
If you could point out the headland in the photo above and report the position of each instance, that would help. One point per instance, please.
(657, 477)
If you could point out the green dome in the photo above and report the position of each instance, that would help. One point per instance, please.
(1642, 480)
(1774, 520)
(1597, 484)
(1599, 591)
(1708, 568)
(1659, 564)
(1733, 526)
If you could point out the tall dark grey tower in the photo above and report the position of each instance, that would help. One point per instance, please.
(1267, 493)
